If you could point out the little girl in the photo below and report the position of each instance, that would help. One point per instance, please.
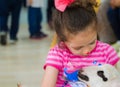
(75, 23)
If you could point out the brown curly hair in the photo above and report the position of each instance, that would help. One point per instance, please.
(74, 19)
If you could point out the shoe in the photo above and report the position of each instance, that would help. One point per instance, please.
(39, 35)
(13, 40)
(35, 37)
(3, 38)
(42, 35)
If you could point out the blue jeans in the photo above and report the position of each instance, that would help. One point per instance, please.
(34, 20)
(3, 23)
(3, 7)
(11, 8)
(114, 19)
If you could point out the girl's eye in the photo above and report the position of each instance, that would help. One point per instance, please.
(78, 48)
(92, 43)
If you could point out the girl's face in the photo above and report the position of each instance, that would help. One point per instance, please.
(82, 43)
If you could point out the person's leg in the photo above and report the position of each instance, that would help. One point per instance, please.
(15, 14)
(119, 15)
(32, 21)
(50, 6)
(39, 23)
(3, 21)
(24, 3)
(39, 20)
(3, 7)
(35, 20)
(113, 17)
(3, 29)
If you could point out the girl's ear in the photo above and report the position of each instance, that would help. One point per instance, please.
(118, 66)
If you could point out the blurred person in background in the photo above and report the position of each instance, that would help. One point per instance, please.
(114, 17)
(24, 3)
(9, 8)
(50, 6)
(35, 18)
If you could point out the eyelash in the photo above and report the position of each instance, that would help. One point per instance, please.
(81, 47)
(78, 48)
(92, 43)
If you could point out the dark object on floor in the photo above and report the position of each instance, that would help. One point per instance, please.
(3, 39)
(39, 35)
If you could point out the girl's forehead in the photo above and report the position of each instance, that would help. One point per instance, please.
(83, 38)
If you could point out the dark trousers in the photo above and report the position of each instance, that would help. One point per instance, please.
(50, 6)
(114, 19)
(24, 3)
(13, 9)
(34, 20)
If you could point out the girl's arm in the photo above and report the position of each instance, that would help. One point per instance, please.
(50, 77)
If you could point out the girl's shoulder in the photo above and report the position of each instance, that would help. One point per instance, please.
(103, 44)
(59, 49)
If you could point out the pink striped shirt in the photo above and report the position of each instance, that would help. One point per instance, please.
(61, 58)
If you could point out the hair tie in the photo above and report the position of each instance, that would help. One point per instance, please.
(62, 4)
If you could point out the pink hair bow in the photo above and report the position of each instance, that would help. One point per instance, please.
(62, 4)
